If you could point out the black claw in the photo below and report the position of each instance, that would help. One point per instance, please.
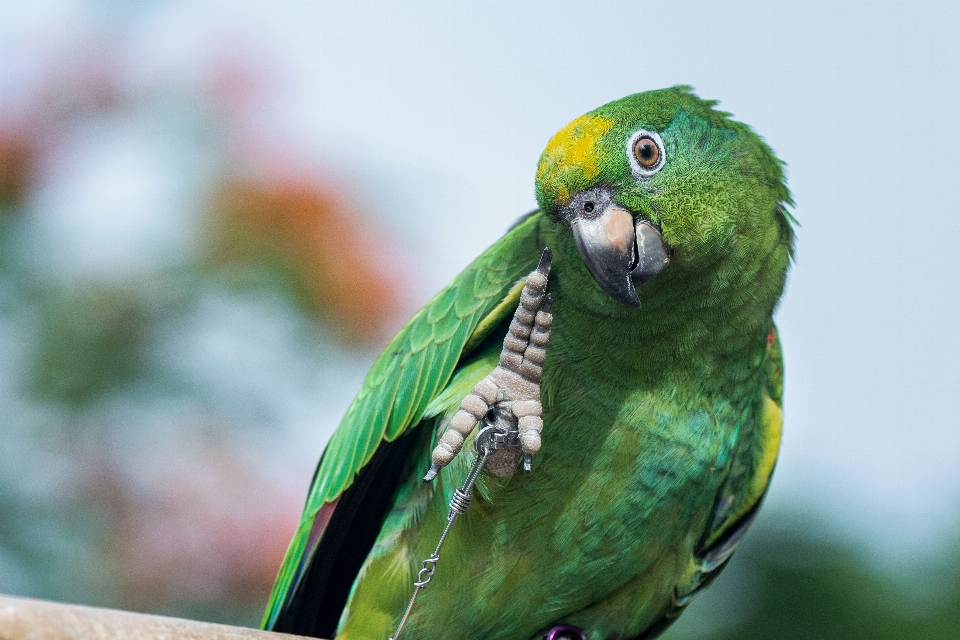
(547, 303)
(546, 259)
(432, 473)
(527, 462)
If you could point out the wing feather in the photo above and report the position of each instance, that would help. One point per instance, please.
(739, 499)
(413, 369)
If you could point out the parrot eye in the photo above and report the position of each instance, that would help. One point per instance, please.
(646, 153)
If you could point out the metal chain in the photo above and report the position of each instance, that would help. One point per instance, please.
(490, 439)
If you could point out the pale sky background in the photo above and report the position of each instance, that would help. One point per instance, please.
(441, 109)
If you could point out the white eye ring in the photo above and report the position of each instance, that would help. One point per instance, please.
(639, 170)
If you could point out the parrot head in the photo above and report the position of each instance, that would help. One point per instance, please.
(661, 180)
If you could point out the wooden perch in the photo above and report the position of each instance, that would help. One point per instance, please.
(28, 619)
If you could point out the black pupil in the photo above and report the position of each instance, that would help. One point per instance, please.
(646, 150)
(588, 207)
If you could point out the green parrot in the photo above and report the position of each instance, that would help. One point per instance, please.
(660, 420)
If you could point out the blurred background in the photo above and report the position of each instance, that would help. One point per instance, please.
(213, 215)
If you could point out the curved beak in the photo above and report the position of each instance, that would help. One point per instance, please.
(619, 253)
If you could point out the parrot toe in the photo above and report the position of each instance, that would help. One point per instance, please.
(510, 394)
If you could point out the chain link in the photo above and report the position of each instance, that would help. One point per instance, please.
(490, 439)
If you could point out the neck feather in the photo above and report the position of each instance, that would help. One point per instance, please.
(710, 323)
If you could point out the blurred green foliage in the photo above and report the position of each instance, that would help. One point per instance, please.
(790, 581)
(81, 519)
(147, 405)
(90, 343)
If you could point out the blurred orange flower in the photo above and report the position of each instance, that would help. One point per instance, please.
(339, 264)
(19, 155)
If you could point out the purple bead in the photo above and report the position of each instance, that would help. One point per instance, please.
(564, 632)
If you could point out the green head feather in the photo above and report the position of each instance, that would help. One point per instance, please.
(719, 184)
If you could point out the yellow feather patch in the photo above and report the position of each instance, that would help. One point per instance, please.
(772, 427)
(572, 155)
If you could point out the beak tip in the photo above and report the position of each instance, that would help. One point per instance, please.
(620, 252)
(629, 298)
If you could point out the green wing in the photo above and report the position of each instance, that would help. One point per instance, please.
(754, 458)
(741, 494)
(411, 371)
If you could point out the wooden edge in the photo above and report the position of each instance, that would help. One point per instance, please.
(29, 619)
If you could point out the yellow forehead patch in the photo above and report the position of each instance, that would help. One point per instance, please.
(572, 155)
